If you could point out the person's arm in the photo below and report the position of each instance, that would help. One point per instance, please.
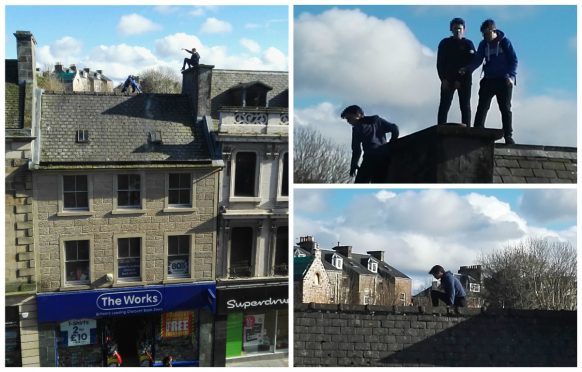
(511, 59)
(189, 51)
(449, 287)
(356, 152)
(390, 128)
(441, 60)
(476, 62)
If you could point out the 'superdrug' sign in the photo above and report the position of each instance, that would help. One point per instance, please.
(61, 306)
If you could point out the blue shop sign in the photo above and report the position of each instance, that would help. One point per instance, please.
(58, 307)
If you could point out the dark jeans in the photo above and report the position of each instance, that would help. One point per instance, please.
(464, 92)
(374, 168)
(191, 62)
(435, 296)
(498, 88)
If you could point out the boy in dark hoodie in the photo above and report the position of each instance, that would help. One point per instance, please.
(369, 133)
(454, 294)
(455, 52)
(499, 72)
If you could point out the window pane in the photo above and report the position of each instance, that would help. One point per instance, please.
(122, 198)
(241, 247)
(70, 251)
(134, 248)
(174, 180)
(122, 182)
(184, 196)
(244, 182)
(184, 244)
(82, 200)
(69, 200)
(134, 198)
(185, 181)
(134, 183)
(174, 197)
(69, 183)
(82, 252)
(123, 247)
(81, 183)
(173, 245)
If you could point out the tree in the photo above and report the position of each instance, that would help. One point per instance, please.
(318, 159)
(161, 80)
(50, 82)
(533, 274)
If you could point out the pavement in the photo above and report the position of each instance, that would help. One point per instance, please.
(277, 360)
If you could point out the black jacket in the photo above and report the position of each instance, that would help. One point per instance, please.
(452, 55)
(370, 133)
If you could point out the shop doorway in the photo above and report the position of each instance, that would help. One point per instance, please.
(126, 332)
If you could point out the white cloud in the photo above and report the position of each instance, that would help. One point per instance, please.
(380, 65)
(420, 228)
(135, 24)
(171, 45)
(274, 59)
(310, 200)
(215, 26)
(252, 26)
(65, 50)
(549, 205)
(166, 9)
(573, 43)
(325, 118)
(251, 45)
(199, 11)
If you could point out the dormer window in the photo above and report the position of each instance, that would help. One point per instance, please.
(82, 136)
(252, 94)
(373, 266)
(337, 262)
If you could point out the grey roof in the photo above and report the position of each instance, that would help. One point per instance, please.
(250, 84)
(382, 266)
(350, 263)
(224, 80)
(118, 128)
(12, 113)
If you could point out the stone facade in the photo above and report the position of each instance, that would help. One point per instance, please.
(375, 336)
(102, 227)
(316, 284)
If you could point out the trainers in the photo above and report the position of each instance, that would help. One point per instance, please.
(509, 141)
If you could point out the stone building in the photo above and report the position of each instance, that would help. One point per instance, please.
(471, 279)
(246, 113)
(20, 265)
(359, 278)
(82, 80)
(111, 224)
(311, 281)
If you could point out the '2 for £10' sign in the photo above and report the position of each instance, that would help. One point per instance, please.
(78, 331)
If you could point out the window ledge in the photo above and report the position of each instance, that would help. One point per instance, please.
(74, 213)
(244, 199)
(74, 287)
(177, 280)
(178, 210)
(281, 199)
(118, 284)
(128, 211)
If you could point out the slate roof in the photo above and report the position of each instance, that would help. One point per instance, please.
(118, 128)
(12, 117)
(382, 266)
(300, 266)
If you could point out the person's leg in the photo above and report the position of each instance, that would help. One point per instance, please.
(445, 103)
(435, 296)
(364, 174)
(460, 302)
(486, 93)
(504, 93)
(186, 61)
(464, 92)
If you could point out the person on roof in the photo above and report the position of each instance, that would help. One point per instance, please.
(193, 60)
(454, 293)
(455, 52)
(369, 134)
(499, 76)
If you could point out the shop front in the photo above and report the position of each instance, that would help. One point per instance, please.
(138, 326)
(252, 321)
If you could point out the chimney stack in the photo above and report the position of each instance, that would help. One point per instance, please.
(307, 243)
(73, 68)
(26, 54)
(87, 69)
(379, 255)
(344, 250)
(196, 83)
(58, 67)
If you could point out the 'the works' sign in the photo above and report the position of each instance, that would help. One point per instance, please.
(129, 300)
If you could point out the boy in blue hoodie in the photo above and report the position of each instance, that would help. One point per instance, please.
(499, 73)
(454, 294)
(369, 134)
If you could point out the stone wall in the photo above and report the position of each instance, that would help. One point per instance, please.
(315, 284)
(535, 164)
(102, 226)
(358, 336)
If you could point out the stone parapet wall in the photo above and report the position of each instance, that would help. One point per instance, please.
(376, 336)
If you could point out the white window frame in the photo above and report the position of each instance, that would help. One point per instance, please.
(129, 210)
(337, 261)
(190, 275)
(169, 208)
(281, 162)
(61, 197)
(402, 298)
(474, 287)
(256, 198)
(84, 283)
(142, 267)
(372, 265)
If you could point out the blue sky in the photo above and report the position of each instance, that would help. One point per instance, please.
(419, 228)
(387, 64)
(127, 39)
